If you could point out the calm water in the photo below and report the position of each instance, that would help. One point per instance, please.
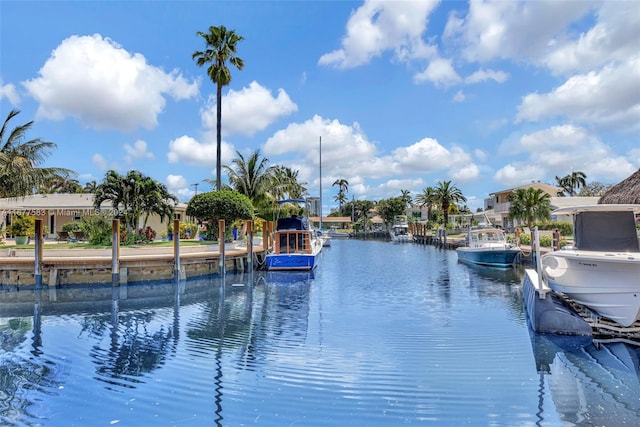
(381, 334)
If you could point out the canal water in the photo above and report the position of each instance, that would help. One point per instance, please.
(380, 334)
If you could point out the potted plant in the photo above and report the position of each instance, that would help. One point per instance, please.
(22, 227)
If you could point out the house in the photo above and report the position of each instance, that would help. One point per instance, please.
(56, 210)
(498, 203)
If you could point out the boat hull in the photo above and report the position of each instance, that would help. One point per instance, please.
(493, 257)
(298, 262)
(607, 283)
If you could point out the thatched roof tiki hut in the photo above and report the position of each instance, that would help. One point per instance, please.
(628, 191)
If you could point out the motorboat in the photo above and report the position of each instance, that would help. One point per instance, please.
(488, 246)
(296, 245)
(601, 271)
(400, 230)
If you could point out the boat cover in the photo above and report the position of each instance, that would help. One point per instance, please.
(606, 231)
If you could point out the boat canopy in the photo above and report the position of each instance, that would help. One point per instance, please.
(292, 223)
(605, 231)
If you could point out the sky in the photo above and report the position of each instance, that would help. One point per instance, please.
(391, 95)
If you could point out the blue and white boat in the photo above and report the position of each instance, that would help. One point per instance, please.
(488, 246)
(296, 245)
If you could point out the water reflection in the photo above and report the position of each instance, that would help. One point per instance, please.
(589, 383)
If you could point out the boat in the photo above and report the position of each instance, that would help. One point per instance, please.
(601, 271)
(334, 233)
(296, 245)
(488, 246)
(400, 230)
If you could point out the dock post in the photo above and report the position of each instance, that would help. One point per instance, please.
(38, 254)
(223, 261)
(250, 245)
(176, 249)
(115, 252)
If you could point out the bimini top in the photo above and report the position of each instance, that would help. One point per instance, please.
(572, 210)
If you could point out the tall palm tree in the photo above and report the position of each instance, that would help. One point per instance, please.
(427, 198)
(529, 204)
(251, 176)
(20, 173)
(220, 50)
(446, 195)
(343, 188)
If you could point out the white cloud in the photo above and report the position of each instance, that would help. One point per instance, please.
(248, 110)
(99, 161)
(496, 29)
(97, 81)
(558, 150)
(440, 72)
(378, 26)
(9, 92)
(614, 37)
(179, 186)
(609, 97)
(137, 151)
(188, 150)
(484, 75)
(459, 96)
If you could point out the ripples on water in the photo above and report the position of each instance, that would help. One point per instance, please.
(380, 334)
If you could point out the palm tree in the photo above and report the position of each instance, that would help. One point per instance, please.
(220, 49)
(343, 188)
(20, 173)
(90, 187)
(132, 196)
(571, 183)
(447, 195)
(529, 204)
(252, 176)
(427, 198)
(285, 184)
(405, 195)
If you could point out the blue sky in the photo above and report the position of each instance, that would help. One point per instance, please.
(487, 94)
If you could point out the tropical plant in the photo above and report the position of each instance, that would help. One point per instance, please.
(529, 205)
(22, 225)
(90, 187)
(405, 195)
(133, 195)
(388, 209)
(427, 198)
(251, 176)
(448, 195)
(20, 173)
(215, 205)
(571, 183)
(343, 188)
(98, 230)
(220, 50)
(285, 184)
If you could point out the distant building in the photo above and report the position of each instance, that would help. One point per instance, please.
(314, 206)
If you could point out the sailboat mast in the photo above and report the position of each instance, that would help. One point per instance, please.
(320, 183)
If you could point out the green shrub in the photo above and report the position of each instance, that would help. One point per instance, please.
(73, 226)
(22, 225)
(98, 230)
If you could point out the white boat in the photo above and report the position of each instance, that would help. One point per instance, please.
(296, 245)
(488, 246)
(602, 270)
(400, 230)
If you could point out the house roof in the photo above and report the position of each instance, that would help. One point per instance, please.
(55, 201)
(547, 188)
(627, 191)
(563, 202)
